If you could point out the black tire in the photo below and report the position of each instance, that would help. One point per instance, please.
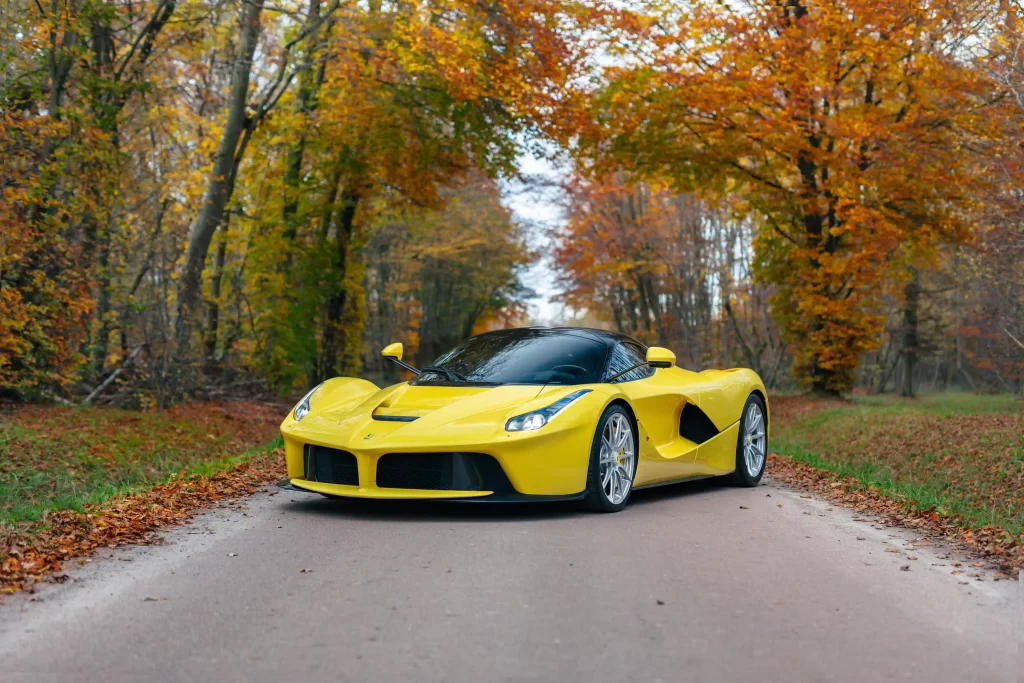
(596, 498)
(742, 475)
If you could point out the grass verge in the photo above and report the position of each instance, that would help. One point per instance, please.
(55, 458)
(72, 481)
(953, 458)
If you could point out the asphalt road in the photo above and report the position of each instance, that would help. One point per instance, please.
(691, 583)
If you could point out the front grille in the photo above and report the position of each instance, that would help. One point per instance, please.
(331, 466)
(442, 472)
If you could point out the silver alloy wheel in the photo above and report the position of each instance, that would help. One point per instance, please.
(755, 441)
(618, 458)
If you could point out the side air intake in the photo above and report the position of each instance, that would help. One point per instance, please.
(695, 425)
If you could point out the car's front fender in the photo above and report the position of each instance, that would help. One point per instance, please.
(337, 393)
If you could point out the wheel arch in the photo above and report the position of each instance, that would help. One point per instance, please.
(620, 401)
(596, 499)
(762, 394)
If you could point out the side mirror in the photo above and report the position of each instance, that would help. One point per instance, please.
(658, 357)
(393, 352)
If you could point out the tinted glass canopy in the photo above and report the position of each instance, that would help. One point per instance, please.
(523, 356)
(625, 358)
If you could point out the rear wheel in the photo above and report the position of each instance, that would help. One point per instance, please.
(613, 458)
(752, 443)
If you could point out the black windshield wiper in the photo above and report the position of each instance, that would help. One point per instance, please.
(447, 372)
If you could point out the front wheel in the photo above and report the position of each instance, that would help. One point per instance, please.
(752, 443)
(613, 458)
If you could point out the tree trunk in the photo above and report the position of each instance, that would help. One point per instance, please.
(912, 300)
(305, 103)
(99, 349)
(335, 335)
(221, 179)
(213, 304)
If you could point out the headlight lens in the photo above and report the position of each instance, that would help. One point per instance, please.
(536, 419)
(302, 407)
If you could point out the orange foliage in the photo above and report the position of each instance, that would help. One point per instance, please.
(846, 125)
(44, 289)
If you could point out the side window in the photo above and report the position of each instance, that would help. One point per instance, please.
(624, 356)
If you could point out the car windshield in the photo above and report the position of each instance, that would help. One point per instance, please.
(523, 356)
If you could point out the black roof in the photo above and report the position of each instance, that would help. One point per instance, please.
(606, 336)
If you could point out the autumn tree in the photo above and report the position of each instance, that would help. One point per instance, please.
(71, 67)
(668, 268)
(847, 125)
(407, 99)
(434, 277)
(243, 117)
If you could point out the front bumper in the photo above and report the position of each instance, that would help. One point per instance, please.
(551, 463)
(303, 486)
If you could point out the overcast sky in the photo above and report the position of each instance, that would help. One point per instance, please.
(538, 205)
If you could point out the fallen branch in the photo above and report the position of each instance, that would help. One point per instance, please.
(110, 380)
(1018, 341)
(59, 399)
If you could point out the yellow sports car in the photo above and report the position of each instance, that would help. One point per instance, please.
(530, 414)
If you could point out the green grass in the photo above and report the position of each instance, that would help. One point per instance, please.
(65, 459)
(957, 454)
(947, 403)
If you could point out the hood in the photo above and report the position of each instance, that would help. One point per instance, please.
(405, 411)
(404, 416)
(446, 403)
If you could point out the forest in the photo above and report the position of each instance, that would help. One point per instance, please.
(207, 198)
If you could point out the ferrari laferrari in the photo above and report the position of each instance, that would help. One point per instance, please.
(530, 414)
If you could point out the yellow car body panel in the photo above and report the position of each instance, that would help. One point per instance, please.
(353, 415)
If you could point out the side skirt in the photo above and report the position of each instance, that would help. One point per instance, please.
(670, 482)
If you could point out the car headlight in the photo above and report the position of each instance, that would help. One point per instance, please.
(302, 407)
(527, 422)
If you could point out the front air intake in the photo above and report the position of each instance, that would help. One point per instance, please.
(442, 472)
(330, 466)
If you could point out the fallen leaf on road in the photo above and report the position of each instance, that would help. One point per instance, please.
(1002, 549)
(660, 602)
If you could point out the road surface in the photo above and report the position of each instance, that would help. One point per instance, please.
(690, 583)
